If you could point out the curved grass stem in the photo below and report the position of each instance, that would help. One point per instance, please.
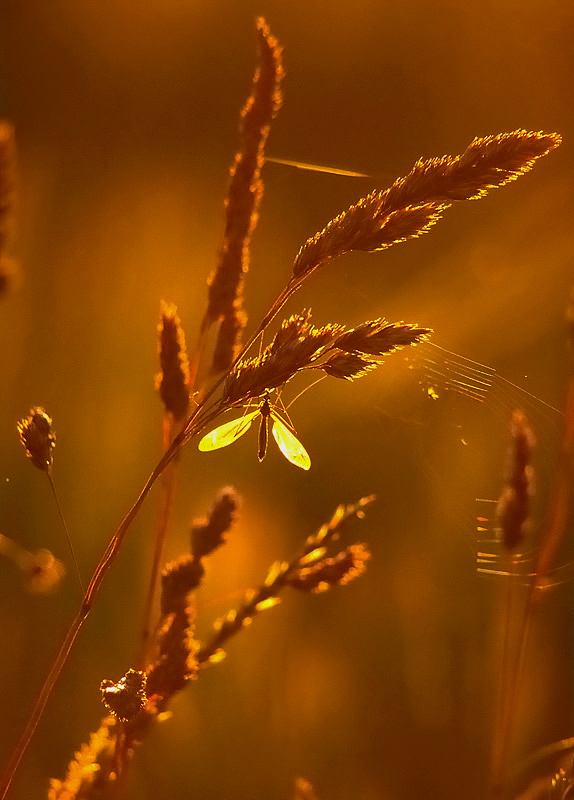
(160, 534)
(63, 654)
(201, 416)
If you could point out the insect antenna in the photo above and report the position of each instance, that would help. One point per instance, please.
(302, 392)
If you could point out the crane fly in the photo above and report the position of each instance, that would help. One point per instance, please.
(286, 440)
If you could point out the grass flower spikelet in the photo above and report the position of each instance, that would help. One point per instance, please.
(513, 508)
(38, 438)
(225, 297)
(209, 533)
(173, 380)
(414, 203)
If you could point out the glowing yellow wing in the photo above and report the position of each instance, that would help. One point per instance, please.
(289, 444)
(227, 433)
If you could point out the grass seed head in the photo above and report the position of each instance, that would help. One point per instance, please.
(377, 337)
(38, 438)
(296, 345)
(342, 568)
(348, 366)
(366, 226)
(513, 508)
(90, 762)
(178, 579)
(176, 661)
(225, 295)
(228, 340)
(209, 533)
(126, 698)
(173, 380)
(487, 163)
(414, 203)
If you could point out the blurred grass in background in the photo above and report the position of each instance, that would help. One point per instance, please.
(126, 120)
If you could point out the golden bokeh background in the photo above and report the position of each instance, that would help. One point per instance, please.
(126, 119)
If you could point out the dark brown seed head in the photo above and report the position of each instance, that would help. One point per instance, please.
(176, 663)
(126, 698)
(173, 380)
(38, 437)
(178, 579)
(228, 342)
(513, 509)
(209, 533)
(225, 296)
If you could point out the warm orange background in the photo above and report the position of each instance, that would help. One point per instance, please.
(126, 116)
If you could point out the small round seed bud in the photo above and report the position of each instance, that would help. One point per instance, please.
(38, 438)
(126, 698)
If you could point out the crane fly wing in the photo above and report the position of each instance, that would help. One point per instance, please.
(289, 444)
(227, 433)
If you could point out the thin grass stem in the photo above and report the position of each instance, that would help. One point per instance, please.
(161, 528)
(63, 654)
(507, 670)
(66, 532)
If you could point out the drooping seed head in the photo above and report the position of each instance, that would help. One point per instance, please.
(415, 202)
(348, 366)
(377, 337)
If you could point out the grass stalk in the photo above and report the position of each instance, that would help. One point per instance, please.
(550, 542)
(160, 534)
(66, 532)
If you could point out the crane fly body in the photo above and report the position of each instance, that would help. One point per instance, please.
(287, 442)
